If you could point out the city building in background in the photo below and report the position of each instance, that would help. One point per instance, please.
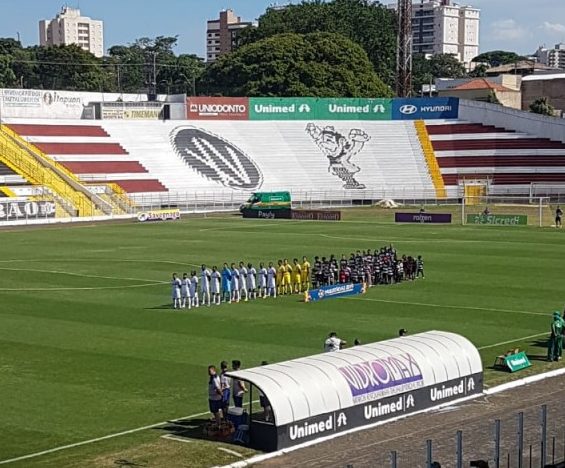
(69, 27)
(444, 27)
(554, 58)
(221, 34)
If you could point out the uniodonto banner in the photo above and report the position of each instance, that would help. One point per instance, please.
(158, 215)
(498, 220)
(335, 291)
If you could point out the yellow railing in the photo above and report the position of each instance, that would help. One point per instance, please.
(431, 160)
(118, 192)
(25, 164)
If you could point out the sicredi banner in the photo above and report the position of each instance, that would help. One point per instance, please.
(158, 215)
(10, 211)
(217, 108)
(319, 109)
(498, 220)
(425, 108)
(335, 291)
(423, 218)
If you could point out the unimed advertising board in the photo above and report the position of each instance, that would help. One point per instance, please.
(319, 109)
(370, 383)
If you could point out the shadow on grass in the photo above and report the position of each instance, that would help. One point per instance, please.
(189, 429)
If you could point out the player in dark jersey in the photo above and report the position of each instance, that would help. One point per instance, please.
(558, 216)
(420, 267)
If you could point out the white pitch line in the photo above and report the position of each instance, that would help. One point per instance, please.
(176, 439)
(442, 306)
(513, 341)
(102, 288)
(92, 441)
(231, 452)
(68, 273)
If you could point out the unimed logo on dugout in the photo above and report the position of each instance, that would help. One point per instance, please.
(217, 108)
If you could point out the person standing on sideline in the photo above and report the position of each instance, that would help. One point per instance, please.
(420, 267)
(185, 291)
(235, 278)
(215, 394)
(215, 279)
(239, 388)
(262, 277)
(225, 382)
(333, 343)
(555, 345)
(176, 285)
(205, 285)
(193, 291)
(272, 275)
(226, 283)
(558, 216)
(251, 281)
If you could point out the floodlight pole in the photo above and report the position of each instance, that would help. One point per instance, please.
(404, 49)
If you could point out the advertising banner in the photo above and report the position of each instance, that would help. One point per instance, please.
(217, 108)
(498, 220)
(423, 218)
(131, 111)
(319, 109)
(425, 108)
(316, 215)
(158, 215)
(284, 213)
(371, 412)
(518, 361)
(11, 211)
(335, 291)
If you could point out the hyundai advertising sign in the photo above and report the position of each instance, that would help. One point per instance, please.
(425, 109)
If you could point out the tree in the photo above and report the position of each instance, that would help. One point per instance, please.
(493, 98)
(319, 64)
(542, 106)
(496, 58)
(365, 22)
(480, 71)
(426, 70)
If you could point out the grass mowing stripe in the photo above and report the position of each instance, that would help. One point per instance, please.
(68, 273)
(441, 306)
(94, 288)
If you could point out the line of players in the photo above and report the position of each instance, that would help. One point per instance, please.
(370, 267)
(239, 283)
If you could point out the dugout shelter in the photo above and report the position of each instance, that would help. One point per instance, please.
(322, 395)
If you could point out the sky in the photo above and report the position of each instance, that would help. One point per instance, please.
(517, 25)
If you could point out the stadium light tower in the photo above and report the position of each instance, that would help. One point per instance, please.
(404, 49)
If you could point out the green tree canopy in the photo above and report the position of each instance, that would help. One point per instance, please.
(318, 64)
(496, 58)
(542, 106)
(365, 22)
(426, 70)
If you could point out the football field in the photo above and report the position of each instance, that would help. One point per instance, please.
(89, 345)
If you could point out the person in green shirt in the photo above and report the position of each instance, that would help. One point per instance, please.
(555, 346)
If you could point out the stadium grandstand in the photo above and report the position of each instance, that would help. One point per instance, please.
(322, 150)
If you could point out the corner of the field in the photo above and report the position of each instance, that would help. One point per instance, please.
(489, 391)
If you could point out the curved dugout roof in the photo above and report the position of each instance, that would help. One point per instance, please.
(311, 386)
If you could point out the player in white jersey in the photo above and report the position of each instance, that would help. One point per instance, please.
(243, 282)
(205, 285)
(251, 281)
(215, 285)
(271, 281)
(262, 277)
(235, 277)
(176, 285)
(184, 291)
(193, 291)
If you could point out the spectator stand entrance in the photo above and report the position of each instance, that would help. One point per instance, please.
(320, 396)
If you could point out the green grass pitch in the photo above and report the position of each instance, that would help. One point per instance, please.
(89, 345)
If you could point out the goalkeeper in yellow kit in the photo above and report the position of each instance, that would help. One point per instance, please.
(280, 276)
(296, 276)
(287, 278)
(306, 271)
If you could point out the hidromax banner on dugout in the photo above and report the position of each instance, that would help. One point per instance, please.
(319, 109)
(425, 108)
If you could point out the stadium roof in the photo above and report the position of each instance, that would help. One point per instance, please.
(312, 386)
